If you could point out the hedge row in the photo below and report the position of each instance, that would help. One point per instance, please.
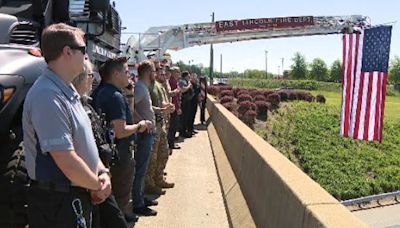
(247, 104)
(296, 84)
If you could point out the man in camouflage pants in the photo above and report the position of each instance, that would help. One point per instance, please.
(162, 107)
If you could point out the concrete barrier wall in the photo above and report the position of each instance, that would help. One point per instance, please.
(276, 192)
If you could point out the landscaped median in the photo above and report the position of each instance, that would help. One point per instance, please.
(276, 192)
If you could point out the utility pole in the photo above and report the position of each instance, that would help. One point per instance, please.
(220, 65)
(266, 64)
(279, 71)
(283, 59)
(211, 56)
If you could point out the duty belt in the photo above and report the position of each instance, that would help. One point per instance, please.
(51, 186)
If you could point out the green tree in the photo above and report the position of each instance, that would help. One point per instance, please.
(257, 74)
(394, 70)
(286, 74)
(319, 70)
(335, 74)
(299, 67)
(191, 68)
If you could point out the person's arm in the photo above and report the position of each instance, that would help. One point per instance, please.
(184, 89)
(122, 130)
(138, 94)
(76, 170)
(105, 191)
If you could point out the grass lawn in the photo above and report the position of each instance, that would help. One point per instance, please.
(392, 107)
(308, 134)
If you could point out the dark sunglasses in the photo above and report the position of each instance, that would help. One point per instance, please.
(80, 48)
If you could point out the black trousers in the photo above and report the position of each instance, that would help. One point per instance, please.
(203, 111)
(193, 111)
(108, 215)
(185, 117)
(123, 173)
(49, 208)
(173, 127)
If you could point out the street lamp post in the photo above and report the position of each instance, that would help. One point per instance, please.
(266, 64)
(211, 55)
(279, 71)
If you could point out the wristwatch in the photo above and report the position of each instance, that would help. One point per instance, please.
(102, 171)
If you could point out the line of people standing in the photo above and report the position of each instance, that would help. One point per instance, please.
(125, 130)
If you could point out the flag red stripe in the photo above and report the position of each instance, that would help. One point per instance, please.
(368, 108)
(385, 76)
(377, 106)
(348, 87)
(358, 112)
(354, 79)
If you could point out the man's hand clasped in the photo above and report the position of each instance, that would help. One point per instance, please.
(99, 196)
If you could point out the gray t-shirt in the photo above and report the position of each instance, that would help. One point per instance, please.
(143, 109)
(55, 120)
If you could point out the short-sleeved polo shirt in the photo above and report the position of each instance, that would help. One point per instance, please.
(55, 120)
(109, 100)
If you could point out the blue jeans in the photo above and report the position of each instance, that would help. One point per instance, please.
(142, 157)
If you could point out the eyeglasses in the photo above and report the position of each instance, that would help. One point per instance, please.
(80, 48)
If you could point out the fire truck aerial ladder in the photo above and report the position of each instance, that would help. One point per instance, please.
(157, 40)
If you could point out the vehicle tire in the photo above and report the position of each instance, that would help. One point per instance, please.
(13, 188)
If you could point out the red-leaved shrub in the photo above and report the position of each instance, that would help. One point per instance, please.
(262, 107)
(292, 96)
(242, 91)
(225, 99)
(236, 91)
(249, 118)
(301, 95)
(231, 106)
(283, 95)
(226, 87)
(244, 97)
(320, 98)
(256, 93)
(267, 92)
(224, 93)
(244, 106)
(309, 98)
(274, 99)
(213, 90)
(259, 98)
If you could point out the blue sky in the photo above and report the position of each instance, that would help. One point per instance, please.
(138, 16)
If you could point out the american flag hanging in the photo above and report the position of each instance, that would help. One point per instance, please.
(365, 73)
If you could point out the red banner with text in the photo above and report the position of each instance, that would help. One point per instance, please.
(263, 23)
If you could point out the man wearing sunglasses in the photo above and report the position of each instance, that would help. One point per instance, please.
(61, 154)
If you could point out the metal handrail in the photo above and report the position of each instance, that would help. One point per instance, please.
(366, 199)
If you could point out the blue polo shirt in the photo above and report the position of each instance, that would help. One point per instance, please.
(55, 120)
(109, 100)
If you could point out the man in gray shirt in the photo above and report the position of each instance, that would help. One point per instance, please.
(61, 155)
(145, 140)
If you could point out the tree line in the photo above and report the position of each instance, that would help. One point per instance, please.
(299, 70)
